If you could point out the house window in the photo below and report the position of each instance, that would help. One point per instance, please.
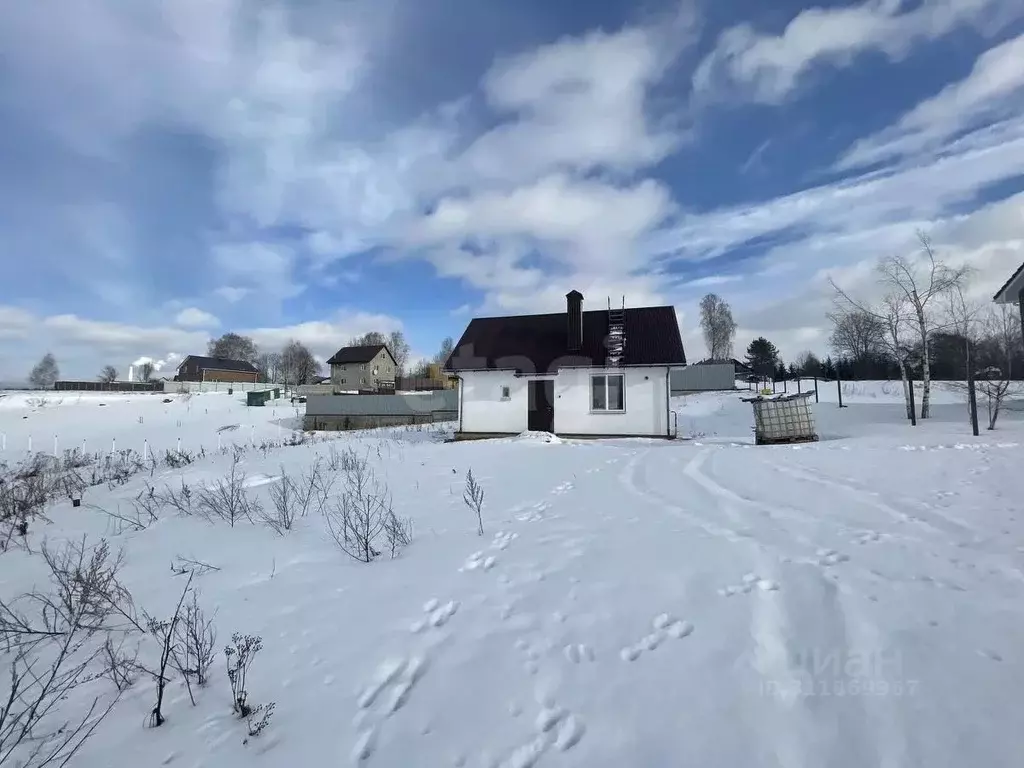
(506, 393)
(607, 393)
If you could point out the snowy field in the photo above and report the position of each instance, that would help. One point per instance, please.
(850, 603)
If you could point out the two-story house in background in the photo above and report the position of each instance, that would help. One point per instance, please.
(364, 367)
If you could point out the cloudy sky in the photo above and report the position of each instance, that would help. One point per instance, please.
(319, 168)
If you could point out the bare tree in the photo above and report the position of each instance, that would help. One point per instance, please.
(298, 364)
(1001, 327)
(892, 314)
(447, 345)
(921, 289)
(233, 346)
(145, 371)
(108, 375)
(269, 366)
(45, 373)
(399, 350)
(718, 326)
(368, 339)
(856, 334)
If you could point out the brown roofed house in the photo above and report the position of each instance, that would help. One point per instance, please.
(200, 368)
(600, 373)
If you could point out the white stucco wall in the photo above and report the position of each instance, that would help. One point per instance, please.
(483, 410)
(645, 404)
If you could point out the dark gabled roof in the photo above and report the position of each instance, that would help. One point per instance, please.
(220, 364)
(360, 354)
(999, 297)
(539, 343)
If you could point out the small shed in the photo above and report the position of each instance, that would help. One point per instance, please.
(783, 419)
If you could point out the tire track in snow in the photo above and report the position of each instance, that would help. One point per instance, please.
(866, 498)
(806, 664)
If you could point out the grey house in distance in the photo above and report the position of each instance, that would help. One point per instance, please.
(370, 366)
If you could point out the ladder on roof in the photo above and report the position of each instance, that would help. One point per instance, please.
(616, 341)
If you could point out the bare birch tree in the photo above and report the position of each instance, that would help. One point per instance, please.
(921, 288)
(718, 326)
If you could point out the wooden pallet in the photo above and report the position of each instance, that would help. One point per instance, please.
(758, 440)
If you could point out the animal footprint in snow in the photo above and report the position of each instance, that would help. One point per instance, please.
(751, 581)
(867, 537)
(479, 561)
(390, 688)
(665, 627)
(533, 514)
(503, 539)
(437, 615)
(562, 488)
(830, 557)
(577, 652)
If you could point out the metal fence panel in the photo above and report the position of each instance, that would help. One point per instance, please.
(382, 405)
(703, 378)
(108, 386)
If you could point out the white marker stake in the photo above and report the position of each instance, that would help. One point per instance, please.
(179, 445)
(83, 446)
(113, 445)
(252, 434)
(4, 439)
(30, 443)
(54, 445)
(145, 450)
(218, 441)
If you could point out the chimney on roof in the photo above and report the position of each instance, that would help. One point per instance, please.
(574, 313)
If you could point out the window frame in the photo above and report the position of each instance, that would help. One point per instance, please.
(606, 377)
(506, 392)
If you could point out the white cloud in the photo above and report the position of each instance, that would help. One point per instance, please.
(231, 294)
(192, 317)
(325, 337)
(993, 90)
(83, 346)
(578, 103)
(767, 68)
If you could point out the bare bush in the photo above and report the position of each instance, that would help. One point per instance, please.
(398, 532)
(239, 657)
(285, 498)
(364, 513)
(181, 499)
(148, 504)
(473, 496)
(166, 632)
(177, 459)
(228, 499)
(184, 566)
(51, 638)
(120, 666)
(195, 637)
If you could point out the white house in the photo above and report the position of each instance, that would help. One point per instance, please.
(601, 373)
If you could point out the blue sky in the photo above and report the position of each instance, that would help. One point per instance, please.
(315, 169)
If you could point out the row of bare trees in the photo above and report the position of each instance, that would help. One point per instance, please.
(923, 309)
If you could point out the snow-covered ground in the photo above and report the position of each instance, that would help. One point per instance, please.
(854, 602)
